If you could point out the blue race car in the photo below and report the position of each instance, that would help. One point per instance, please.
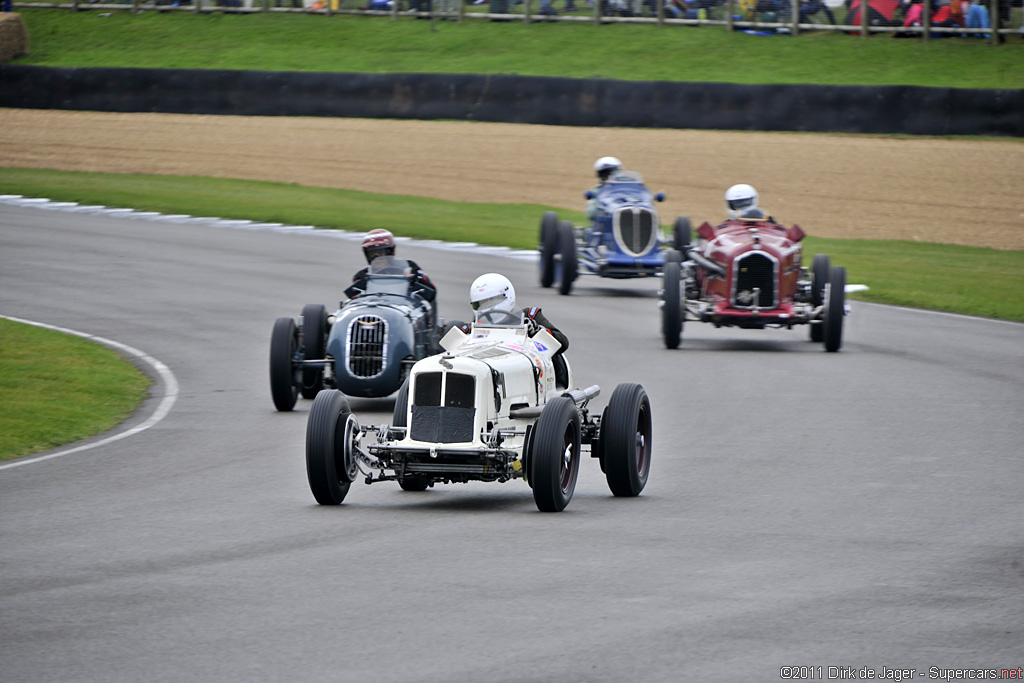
(364, 349)
(624, 239)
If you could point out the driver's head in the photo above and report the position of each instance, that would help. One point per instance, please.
(740, 199)
(378, 243)
(492, 293)
(605, 166)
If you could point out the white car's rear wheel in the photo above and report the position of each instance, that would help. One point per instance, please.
(626, 440)
(411, 482)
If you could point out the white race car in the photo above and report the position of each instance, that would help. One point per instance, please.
(496, 406)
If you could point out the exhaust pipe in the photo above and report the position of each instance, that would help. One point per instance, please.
(579, 396)
(706, 263)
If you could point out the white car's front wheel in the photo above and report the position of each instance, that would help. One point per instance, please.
(330, 435)
(555, 457)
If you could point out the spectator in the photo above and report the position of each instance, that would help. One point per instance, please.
(977, 17)
(808, 8)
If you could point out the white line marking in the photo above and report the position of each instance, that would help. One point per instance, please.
(43, 203)
(928, 311)
(163, 407)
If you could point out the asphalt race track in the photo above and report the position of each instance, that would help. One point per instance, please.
(859, 509)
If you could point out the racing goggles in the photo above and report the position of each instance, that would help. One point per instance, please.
(488, 303)
(737, 204)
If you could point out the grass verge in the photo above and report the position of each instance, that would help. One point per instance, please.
(297, 42)
(57, 388)
(968, 280)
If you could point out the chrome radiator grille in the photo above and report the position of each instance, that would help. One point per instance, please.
(367, 346)
(755, 270)
(636, 230)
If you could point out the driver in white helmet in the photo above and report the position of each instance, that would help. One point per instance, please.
(493, 299)
(741, 203)
(603, 167)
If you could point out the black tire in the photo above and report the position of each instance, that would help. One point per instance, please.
(820, 271)
(400, 417)
(673, 255)
(283, 342)
(570, 263)
(626, 440)
(548, 247)
(314, 343)
(682, 231)
(835, 309)
(330, 467)
(413, 482)
(671, 309)
(555, 456)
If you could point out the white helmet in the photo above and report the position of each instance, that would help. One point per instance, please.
(492, 293)
(604, 166)
(740, 198)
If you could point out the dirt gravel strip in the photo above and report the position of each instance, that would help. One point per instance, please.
(956, 191)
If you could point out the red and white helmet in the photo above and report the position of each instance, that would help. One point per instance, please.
(378, 242)
(492, 293)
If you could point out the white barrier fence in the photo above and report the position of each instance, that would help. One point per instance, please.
(530, 11)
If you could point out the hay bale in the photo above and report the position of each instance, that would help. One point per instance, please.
(13, 36)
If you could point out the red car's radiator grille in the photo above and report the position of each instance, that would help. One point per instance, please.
(754, 270)
(367, 346)
(635, 230)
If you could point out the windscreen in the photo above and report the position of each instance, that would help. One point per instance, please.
(387, 284)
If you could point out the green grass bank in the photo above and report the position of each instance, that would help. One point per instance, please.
(969, 280)
(296, 42)
(57, 388)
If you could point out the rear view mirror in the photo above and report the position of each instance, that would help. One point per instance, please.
(660, 197)
(589, 194)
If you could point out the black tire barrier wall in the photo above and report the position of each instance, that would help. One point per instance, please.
(521, 99)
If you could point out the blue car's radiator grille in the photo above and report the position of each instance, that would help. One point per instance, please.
(636, 230)
(754, 270)
(367, 346)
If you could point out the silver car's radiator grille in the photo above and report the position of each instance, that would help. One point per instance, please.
(367, 346)
(448, 421)
(636, 230)
(755, 271)
(460, 391)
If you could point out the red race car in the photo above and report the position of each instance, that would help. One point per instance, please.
(747, 272)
